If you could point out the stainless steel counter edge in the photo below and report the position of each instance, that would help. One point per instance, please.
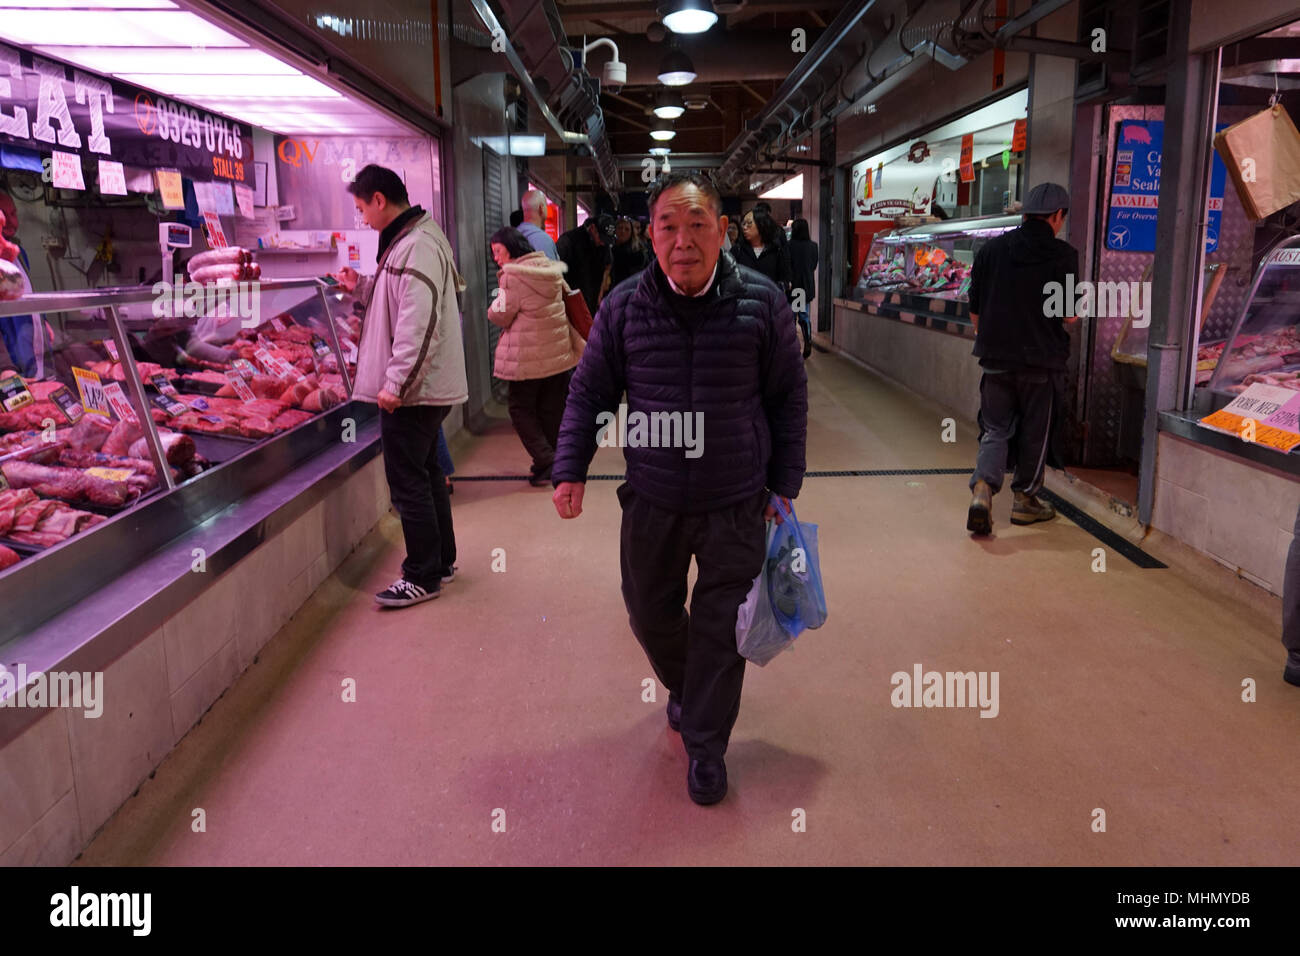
(104, 626)
(1185, 425)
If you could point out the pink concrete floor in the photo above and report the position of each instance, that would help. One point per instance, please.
(520, 692)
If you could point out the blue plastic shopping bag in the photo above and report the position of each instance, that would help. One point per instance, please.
(794, 578)
(759, 637)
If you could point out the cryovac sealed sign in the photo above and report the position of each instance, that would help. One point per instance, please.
(58, 109)
(14, 393)
(1135, 190)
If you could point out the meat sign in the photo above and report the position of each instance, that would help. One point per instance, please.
(48, 106)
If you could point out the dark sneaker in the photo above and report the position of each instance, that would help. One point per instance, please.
(402, 593)
(979, 517)
(674, 713)
(1292, 675)
(1027, 509)
(706, 781)
(540, 479)
(449, 575)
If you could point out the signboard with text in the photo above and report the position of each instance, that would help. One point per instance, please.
(49, 106)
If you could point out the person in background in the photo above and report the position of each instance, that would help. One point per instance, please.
(538, 347)
(586, 251)
(412, 364)
(760, 250)
(731, 238)
(802, 252)
(1022, 353)
(629, 255)
(695, 334)
(516, 218)
(766, 207)
(444, 459)
(18, 331)
(533, 227)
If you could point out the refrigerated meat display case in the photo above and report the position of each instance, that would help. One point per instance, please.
(1264, 344)
(151, 410)
(924, 270)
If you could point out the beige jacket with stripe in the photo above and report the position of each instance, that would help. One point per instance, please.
(536, 339)
(410, 334)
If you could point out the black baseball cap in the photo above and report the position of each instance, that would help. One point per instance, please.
(605, 226)
(1045, 198)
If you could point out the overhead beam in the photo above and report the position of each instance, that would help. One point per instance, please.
(642, 11)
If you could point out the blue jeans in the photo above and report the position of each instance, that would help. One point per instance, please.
(805, 325)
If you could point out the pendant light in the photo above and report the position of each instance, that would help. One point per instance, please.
(676, 69)
(662, 130)
(687, 16)
(669, 105)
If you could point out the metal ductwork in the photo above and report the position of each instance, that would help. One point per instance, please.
(852, 57)
(536, 47)
(718, 56)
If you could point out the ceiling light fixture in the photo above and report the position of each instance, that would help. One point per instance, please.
(662, 130)
(687, 16)
(676, 69)
(669, 105)
(660, 150)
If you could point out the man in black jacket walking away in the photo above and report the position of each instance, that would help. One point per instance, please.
(708, 354)
(1022, 348)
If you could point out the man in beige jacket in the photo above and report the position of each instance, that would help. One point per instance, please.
(412, 363)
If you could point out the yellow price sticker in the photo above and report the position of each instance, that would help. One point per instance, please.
(110, 474)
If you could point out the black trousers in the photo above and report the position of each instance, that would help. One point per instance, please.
(536, 409)
(1015, 405)
(418, 488)
(693, 655)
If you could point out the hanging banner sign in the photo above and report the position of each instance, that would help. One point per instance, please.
(47, 105)
(171, 189)
(1020, 136)
(1135, 189)
(968, 158)
(66, 170)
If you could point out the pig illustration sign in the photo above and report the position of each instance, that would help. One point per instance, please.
(1135, 190)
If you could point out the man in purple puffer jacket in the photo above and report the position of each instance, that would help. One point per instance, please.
(707, 353)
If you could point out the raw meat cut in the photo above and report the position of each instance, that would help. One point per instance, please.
(8, 557)
(69, 484)
(178, 448)
(90, 433)
(120, 438)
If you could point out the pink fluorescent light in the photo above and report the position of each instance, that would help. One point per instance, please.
(117, 60)
(126, 28)
(790, 189)
(87, 5)
(300, 86)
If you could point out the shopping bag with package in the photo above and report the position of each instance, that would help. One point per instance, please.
(1262, 155)
(794, 577)
(759, 637)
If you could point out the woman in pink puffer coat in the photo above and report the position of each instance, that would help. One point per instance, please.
(538, 349)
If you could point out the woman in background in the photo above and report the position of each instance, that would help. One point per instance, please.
(538, 348)
(761, 249)
(629, 255)
(803, 278)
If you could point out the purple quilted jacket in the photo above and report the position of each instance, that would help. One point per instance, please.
(717, 396)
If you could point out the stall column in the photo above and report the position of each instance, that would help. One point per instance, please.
(1176, 285)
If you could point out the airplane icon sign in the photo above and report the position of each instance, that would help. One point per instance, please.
(1119, 237)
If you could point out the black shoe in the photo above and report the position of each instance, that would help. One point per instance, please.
(674, 713)
(540, 479)
(402, 593)
(1291, 675)
(706, 781)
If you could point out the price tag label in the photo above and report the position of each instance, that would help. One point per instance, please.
(216, 235)
(1276, 438)
(68, 404)
(111, 348)
(245, 368)
(110, 474)
(264, 359)
(169, 406)
(66, 168)
(320, 346)
(244, 199)
(240, 386)
(165, 387)
(201, 404)
(117, 400)
(14, 392)
(349, 351)
(170, 189)
(277, 324)
(93, 399)
(112, 178)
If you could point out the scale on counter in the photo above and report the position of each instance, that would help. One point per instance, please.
(172, 236)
